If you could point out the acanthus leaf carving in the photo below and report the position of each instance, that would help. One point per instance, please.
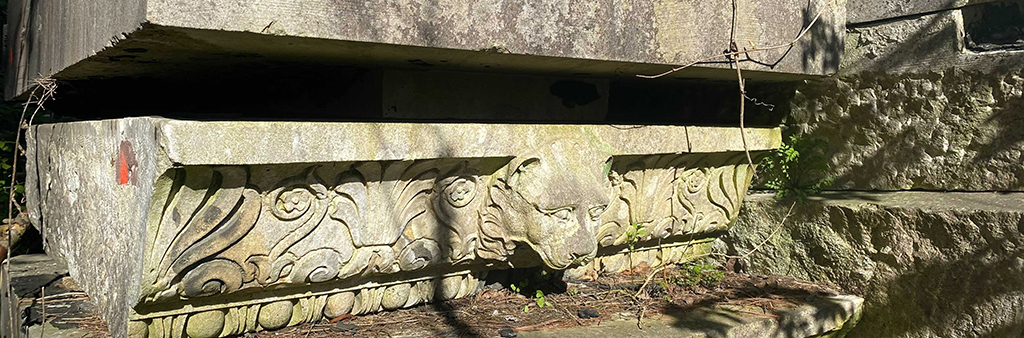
(290, 226)
(202, 227)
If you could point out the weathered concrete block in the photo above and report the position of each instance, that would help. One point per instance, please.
(219, 228)
(928, 264)
(70, 40)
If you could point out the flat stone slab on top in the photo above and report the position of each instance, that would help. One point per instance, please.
(208, 229)
(162, 38)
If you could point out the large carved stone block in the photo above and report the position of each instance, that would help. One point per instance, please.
(206, 229)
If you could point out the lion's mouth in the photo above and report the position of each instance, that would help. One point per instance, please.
(568, 260)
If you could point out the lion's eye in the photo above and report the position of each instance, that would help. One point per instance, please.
(595, 212)
(563, 214)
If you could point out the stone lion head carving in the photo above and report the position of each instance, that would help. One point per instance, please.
(550, 200)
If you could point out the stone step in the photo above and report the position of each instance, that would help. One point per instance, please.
(825, 317)
(946, 264)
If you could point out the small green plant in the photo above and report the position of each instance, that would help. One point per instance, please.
(531, 282)
(633, 235)
(699, 274)
(6, 173)
(798, 168)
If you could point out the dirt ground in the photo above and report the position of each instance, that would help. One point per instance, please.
(677, 289)
(498, 311)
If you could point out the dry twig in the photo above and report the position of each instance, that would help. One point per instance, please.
(744, 51)
(648, 280)
(772, 234)
(74, 294)
(758, 246)
(732, 55)
(43, 318)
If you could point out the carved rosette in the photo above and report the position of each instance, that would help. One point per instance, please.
(234, 229)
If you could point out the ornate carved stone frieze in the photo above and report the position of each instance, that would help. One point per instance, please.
(229, 229)
(221, 241)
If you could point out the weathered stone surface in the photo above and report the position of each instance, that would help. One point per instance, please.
(928, 43)
(861, 11)
(827, 317)
(24, 280)
(928, 264)
(89, 216)
(339, 304)
(204, 324)
(590, 37)
(392, 214)
(191, 143)
(911, 111)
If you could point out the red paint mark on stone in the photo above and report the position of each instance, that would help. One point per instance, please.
(122, 170)
(125, 164)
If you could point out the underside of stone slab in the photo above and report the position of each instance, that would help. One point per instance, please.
(173, 38)
(216, 228)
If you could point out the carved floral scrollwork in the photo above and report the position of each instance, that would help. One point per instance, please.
(219, 233)
(231, 228)
(225, 229)
(671, 195)
(457, 209)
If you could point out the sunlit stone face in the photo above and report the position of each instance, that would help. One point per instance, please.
(561, 197)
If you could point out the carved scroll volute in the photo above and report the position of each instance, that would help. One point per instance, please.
(615, 220)
(495, 242)
(710, 190)
(382, 200)
(644, 197)
(380, 203)
(296, 207)
(460, 198)
(209, 209)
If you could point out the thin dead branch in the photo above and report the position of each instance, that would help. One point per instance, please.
(648, 280)
(743, 101)
(734, 53)
(48, 87)
(772, 234)
(759, 245)
(43, 319)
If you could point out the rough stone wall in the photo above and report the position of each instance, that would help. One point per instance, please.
(911, 111)
(948, 129)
